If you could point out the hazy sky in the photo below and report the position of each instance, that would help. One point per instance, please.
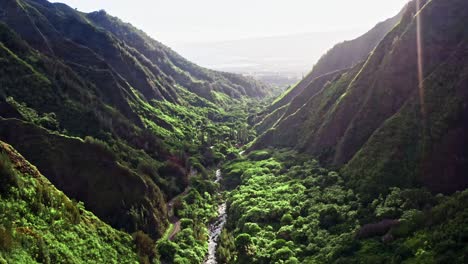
(175, 21)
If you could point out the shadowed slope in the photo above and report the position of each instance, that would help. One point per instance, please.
(371, 116)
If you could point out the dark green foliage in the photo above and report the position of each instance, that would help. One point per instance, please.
(125, 124)
(101, 145)
(8, 177)
(6, 239)
(342, 56)
(287, 209)
(141, 109)
(79, 167)
(259, 155)
(194, 209)
(39, 224)
(171, 170)
(376, 120)
(196, 212)
(167, 250)
(145, 246)
(243, 241)
(225, 253)
(48, 121)
(329, 217)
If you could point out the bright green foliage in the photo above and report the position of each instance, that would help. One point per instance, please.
(378, 121)
(39, 224)
(126, 124)
(8, 176)
(137, 106)
(195, 210)
(288, 209)
(280, 207)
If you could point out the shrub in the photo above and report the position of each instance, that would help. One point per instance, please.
(49, 121)
(167, 250)
(73, 212)
(148, 168)
(172, 170)
(42, 255)
(200, 169)
(329, 217)
(243, 241)
(145, 246)
(186, 223)
(8, 175)
(259, 155)
(292, 260)
(6, 239)
(102, 146)
(251, 228)
(287, 219)
(283, 253)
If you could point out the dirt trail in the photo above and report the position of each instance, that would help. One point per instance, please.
(175, 221)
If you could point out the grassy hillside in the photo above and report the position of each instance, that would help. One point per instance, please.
(40, 224)
(341, 57)
(122, 126)
(375, 119)
(203, 82)
(112, 117)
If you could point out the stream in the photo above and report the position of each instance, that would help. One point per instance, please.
(215, 228)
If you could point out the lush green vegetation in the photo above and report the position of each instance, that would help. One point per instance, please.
(195, 210)
(371, 119)
(120, 122)
(288, 209)
(133, 130)
(39, 224)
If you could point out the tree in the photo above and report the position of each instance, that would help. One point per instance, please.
(243, 242)
(167, 250)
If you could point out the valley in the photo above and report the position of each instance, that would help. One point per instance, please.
(116, 149)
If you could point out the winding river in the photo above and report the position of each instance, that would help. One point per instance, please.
(215, 228)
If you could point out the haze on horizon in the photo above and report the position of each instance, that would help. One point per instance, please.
(214, 20)
(231, 35)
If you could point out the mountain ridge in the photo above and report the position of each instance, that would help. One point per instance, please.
(53, 228)
(94, 77)
(335, 128)
(338, 57)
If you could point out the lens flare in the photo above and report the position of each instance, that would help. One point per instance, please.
(420, 58)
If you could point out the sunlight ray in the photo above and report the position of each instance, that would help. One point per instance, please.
(420, 58)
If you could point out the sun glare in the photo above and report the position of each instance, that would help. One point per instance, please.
(420, 59)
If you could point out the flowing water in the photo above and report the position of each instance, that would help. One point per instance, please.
(216, 228)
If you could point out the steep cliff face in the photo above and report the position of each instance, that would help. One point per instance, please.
(40, 224)
(194, 78)
(88, 172)
(349, 53)
(380, 120)
(342, 56)
(71, 76)
(104, 42)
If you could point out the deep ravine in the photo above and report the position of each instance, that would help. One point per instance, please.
(216, 227)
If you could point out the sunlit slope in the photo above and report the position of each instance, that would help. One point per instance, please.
(342, 56)
(40, 224)
(112, 117)
(374, 119)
